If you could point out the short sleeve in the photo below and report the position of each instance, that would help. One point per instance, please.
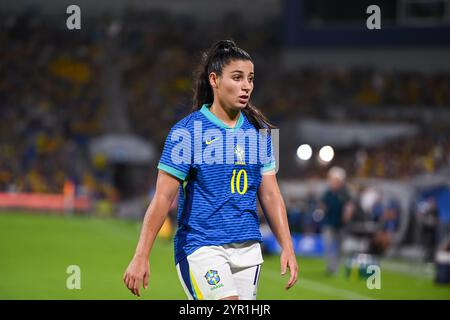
(176, 157)
(266, 152)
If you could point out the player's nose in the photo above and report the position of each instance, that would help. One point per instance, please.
(246, 87)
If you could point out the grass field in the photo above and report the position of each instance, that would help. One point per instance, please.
(35, 251)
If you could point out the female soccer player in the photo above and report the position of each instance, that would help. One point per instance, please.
(217, 244)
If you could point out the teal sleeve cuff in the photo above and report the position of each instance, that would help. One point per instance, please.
(174, 172)
(268, 167)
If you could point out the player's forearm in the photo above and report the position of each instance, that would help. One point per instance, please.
(154, 218)
(275, 210)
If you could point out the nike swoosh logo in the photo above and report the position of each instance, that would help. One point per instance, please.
(211, 141)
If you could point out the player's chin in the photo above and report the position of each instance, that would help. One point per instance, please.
(241, 104)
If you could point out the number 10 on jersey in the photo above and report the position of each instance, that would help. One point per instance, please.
(236, 182)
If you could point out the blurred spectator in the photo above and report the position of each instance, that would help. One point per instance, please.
(428, 219)
(388, 223)
(337, 212)
(442, 275)
(294, 215)
(50, 104)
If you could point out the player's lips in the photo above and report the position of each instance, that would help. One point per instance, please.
(243, 99)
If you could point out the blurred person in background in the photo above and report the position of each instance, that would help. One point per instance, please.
(388, 224)
(428, 218)
(338, 209)
(294, 214)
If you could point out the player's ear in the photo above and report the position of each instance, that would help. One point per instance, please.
(213, 80)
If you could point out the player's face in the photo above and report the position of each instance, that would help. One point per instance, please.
(335, 183)
(235, 85)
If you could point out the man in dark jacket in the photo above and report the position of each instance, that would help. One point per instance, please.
(336, 204)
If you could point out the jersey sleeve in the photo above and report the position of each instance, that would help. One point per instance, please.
(176, 157)
(268, 158)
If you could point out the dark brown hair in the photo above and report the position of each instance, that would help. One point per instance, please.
(214, 60)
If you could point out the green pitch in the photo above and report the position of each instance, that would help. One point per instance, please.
(35, 251)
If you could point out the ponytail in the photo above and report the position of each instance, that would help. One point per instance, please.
(215, 59)
(257, 118)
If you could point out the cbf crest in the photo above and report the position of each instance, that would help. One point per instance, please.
(212, 276)
(240, 154)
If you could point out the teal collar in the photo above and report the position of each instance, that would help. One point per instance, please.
(211, 117)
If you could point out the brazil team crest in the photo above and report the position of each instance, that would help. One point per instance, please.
(239, 152)
(212, 276)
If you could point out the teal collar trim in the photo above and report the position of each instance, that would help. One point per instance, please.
(211, 117)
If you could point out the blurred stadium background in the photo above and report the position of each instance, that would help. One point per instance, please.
(85, 114)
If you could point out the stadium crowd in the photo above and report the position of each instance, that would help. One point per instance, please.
(50, 106)
(51, 99)
(153, 89)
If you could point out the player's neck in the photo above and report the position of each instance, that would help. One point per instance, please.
(227, 116)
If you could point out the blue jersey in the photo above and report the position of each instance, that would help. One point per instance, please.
(221, 169)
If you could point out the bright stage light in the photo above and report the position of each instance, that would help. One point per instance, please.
(304, 152)
(326, 154)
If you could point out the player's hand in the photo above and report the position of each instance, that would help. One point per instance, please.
(137, 274)
(288, 260)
